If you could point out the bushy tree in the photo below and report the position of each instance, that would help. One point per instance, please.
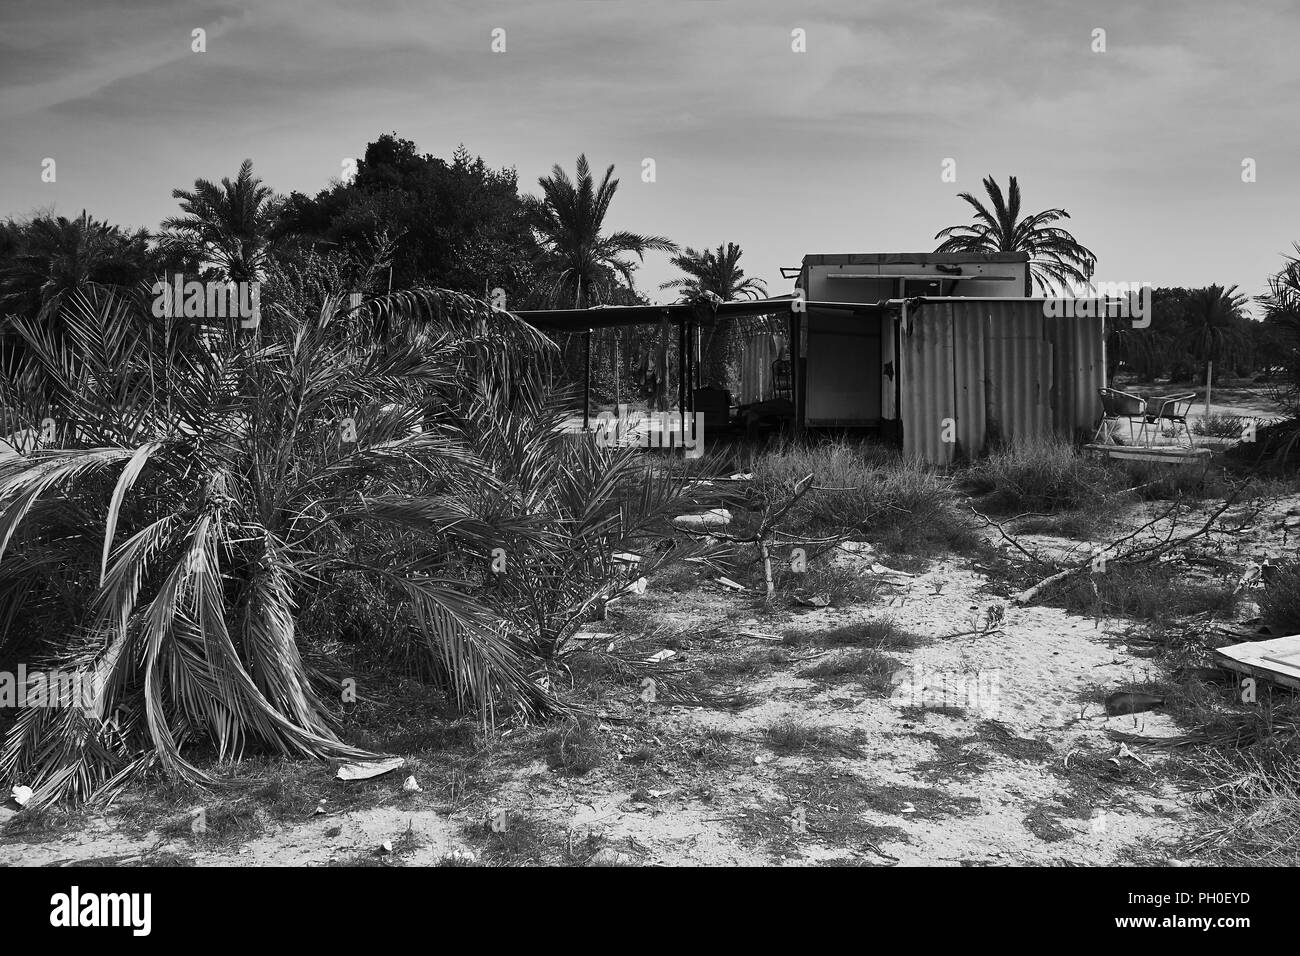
(459, 225)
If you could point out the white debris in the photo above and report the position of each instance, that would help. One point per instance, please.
(365, 769)
(713, 518)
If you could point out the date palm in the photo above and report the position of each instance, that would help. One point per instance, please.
(201, 504)
(581, 258)
(1056, 259)
(53, 256)
(227, 226)
(1282, 303)
(718, 272)
(1217, 336)
(193, 497)
(581, 262)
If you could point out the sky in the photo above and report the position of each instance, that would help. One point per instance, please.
(840, 147)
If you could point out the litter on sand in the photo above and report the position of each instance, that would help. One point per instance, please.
(365, 769)
(713, 518)
(1131, 702)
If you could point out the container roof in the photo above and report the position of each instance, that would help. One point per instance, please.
(580, 320)
(911, 258)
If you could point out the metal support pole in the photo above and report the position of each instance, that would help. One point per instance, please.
(586, 386)
(683, 362)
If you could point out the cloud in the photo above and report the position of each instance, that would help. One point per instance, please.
(843, 143)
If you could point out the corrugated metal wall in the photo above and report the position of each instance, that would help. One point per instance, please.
(1018, 373)
(998, 369)
(926, 385)
(969, 362)
(1079, 369)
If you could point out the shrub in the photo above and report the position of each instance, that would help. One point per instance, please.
(210, 493)
(1221, 426)
(1280, 603)
(870, 668)
(575, 746)
(1040, 476)
(1150, 592)
(1158, 481)
(864, 489)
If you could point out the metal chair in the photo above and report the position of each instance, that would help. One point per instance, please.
(1172, 409)
(1116, 405)
(781, 378)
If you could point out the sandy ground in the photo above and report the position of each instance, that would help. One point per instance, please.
(1028, 676)
(984, 753)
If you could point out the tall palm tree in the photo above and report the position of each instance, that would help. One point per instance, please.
(228, 226)
(581, 259)
(583, 263)
(1056, 259)
(716, 271)
(1217, 336)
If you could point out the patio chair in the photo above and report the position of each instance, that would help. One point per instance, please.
(1172, 409)
(781, 378)
(1116, 405)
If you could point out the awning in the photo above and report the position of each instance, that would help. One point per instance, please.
(605, 317)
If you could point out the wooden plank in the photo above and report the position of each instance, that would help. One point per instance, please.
(1276, 660)
(1173, 456)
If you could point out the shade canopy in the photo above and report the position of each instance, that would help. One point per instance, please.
(705, 313)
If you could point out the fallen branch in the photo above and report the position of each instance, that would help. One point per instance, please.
(1006, 536)
(1143, 554)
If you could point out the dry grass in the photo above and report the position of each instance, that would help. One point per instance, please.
(1040, 476)
(864, 489)
(868, 668)
(1253, 797)
(576, 746)
(882, 633)
(1280, 602)
(1147, 592)
(789, 735)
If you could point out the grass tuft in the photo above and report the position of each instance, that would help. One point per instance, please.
(868, 667)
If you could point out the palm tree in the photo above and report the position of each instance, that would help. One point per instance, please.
(51, 257)
(206, 516)
(716, 272)
(1282, 304)
(1215, 315)
(1056, 259)
(569, 218)
(583, 262)
(1282, 317)
(227, 226)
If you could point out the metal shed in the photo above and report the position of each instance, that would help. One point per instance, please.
(944, 352)
(972, 371)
